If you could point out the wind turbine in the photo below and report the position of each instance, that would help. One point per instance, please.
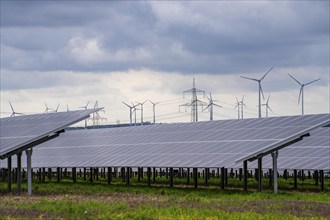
(301, 92)
(47, 109)
(240, 107)
(260, 88)
(96, 115)
(57, 108)
(14, 113)
(267, 106)
(154, 109)
(67, 108)
(141, 104)
(85, 107)
(210, 105)
(130, 111)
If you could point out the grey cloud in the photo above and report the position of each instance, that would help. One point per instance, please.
(215, 37)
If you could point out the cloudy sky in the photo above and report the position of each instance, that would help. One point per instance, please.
(72, 52)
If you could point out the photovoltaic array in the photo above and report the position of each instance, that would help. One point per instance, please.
(210, 144)
(17, 132)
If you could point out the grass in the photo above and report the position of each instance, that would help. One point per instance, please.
(83, 200)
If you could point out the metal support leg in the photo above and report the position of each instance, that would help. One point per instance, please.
(245, 175)
(322, 180)
(9, 176)
(260, 174)
(188, 176)
(19, 174)
(171, 177)
(29, 170)
(91, 174)
(295, 179)
(74, 174)
(195, 177)
(206, 176)
(154, 174)
(222, 178)
(149, 176)
(109, 174)
(128, 176)
(275, 156)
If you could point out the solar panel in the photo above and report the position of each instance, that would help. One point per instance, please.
(209, 144)
(312, 153)
(17, 132)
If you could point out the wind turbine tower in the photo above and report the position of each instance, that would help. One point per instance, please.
(154, 109)
(260, 88)
(85, 107)
(240, 108)
(14, 113)
(130, 111)
(267, 106)
(210, 105)
(194, 101)
(301, 92)
(141, 104)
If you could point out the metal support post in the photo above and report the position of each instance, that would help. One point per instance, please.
(188, 176)
(260, 174)
(245, 180)
(295, 179)
(195, 178)
(154, 174)
(322, 180)
(29, 170)
(91, 175)
(171, 177)
(19, 173)
(109, 174)
(222, 178)
(9, 176)
(128, 177)
(206, 176)
(275, 156)
(149, 175)
(74, 174)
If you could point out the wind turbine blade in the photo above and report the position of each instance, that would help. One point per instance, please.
(218, 105)
(269, 108)
(244, 104)
(237, 101)
(262, 92)
(211, 96)
(268, 99)
(126, 104)
(249, 78)
(87, 104)
(295, 79)
(266, 73)
(243, 98)
(11, 107)
(311, 82)
(300, 92)
(207, 107)
(57, 107)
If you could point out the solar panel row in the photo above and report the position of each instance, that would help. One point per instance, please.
(209, 144)
(17, 132)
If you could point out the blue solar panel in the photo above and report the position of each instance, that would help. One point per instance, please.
(17, 132)
(209, 144)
